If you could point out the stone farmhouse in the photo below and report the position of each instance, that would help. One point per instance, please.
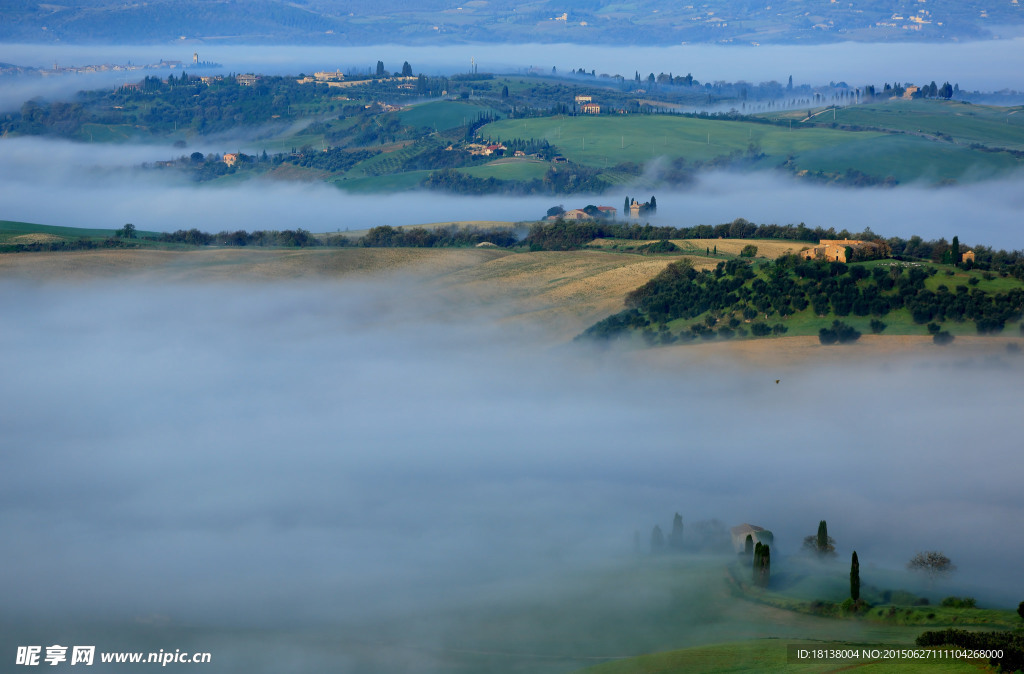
(837, 250)
(758, 534)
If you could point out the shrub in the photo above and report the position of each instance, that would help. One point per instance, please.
(877, 326)
(959, 602)
(942, 338)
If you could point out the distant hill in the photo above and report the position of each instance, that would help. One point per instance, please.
(434, 22)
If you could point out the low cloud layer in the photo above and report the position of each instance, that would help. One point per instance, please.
(100, 188)
(985, 65)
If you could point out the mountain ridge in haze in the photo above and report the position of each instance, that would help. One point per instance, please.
(354, 22)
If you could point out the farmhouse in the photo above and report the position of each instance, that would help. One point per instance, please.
(838, 250)
(758, 534)
(967, 255)
(582, 98)
(634, 209)
(591, 109)
(246, 80)
(230, 158)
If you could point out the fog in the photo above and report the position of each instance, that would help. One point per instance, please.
(987, 65)
(100, 187)
(291, 457)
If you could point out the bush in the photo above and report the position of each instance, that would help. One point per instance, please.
(839, 332)
(942, 338)
(959, 602)
(877, 326)
(1010, 643)
(749, 250)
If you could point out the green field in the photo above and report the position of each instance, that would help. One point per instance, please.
(10, 230)
(510, 169)
(605, 141)
(397, 182)
(441, 115)
(963, 123)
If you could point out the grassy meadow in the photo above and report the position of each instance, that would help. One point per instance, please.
(605, 141)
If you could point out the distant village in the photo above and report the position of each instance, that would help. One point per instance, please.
(57, 69)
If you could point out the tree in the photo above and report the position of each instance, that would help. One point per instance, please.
(749, 250)
(196, 157)
(932, 564)
(380, 69)
(762, 564)
(127, 232)
(406, 69)
(954, 251)
(625, 208)
(657, 540)
(653, 208)
(820, 544)
(854, 577)
(748, 547)
(1020, 610)
(556, 210)
(675, 539)
(504, 91)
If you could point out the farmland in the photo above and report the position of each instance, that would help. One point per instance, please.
(606, 141)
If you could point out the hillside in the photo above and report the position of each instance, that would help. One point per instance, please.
(835, 301)
(354, 22)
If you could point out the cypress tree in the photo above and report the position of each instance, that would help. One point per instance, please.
(758, 551)
(657, 540)
(748, 546)
(854, 577)
(822, 537)
(675, 540)
(766, 565)
(954, 251)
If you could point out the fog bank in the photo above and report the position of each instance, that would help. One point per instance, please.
(291, 457)
(100, 188)
(983, 65)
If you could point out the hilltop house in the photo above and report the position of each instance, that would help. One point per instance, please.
(230, 158)
(590, 109)
(839, 250)
(758, 534)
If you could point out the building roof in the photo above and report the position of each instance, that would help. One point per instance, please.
(744, 529)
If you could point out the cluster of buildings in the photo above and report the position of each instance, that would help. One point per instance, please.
(839, 250)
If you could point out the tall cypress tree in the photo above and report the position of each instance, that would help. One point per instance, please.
(954, 251)
(756, 566)
(748, 546)
(822, 537)
(675, 539)
(854, 577)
